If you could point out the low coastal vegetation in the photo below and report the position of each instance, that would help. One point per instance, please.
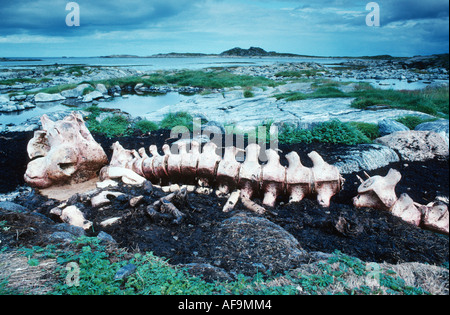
(429, 101)
(24, 80)
(300, 73)
(75, 70)
(193, 78)
(412, 122)
(335, 132)
(434, 102)
(99, 265)
(118, 125)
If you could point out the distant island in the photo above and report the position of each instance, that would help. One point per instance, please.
(420, 62)
(18, 59)
(234, 52)
(256, 52)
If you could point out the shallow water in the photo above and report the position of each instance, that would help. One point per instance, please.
(18, 118)
(146, 64)
(391, 84)
(136, 105)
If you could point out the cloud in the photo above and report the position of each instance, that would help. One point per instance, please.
(47, 17)
(143, 27)
(407, 10)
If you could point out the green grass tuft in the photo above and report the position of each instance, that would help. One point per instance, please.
(180, 119)
(321, 92)
(298, 74)
(111, 127)
(146, 126)
(371, 131)
(412, 121)
(334, 132)
(248, 94)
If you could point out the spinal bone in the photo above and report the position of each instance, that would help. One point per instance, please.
(379, 193)
(273, 178)
(298, 178)
(251, 178)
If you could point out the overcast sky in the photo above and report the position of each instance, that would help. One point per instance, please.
(37, 28)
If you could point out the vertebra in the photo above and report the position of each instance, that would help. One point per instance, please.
(208, 169)
(379, 193)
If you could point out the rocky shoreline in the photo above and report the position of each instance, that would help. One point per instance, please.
(414, 69)
(220, 246)
(219, 105)
(20, 82)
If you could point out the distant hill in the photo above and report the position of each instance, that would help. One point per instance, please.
(180, 55)
(2, 59)
(235, 52)
(120, 56)
(254, 52)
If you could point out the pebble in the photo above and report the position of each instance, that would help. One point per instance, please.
(125, 272)
(105, 237)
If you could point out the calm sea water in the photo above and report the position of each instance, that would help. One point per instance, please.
(166, 63)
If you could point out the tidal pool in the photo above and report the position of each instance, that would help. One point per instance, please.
(17, 118)
(135, 105)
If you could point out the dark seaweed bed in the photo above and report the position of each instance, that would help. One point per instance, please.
(369, 234)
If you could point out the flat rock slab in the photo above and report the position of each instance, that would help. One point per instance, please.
(45, 97)
(228, 109)
(365, 157)
(313, 111)
(231, 108)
